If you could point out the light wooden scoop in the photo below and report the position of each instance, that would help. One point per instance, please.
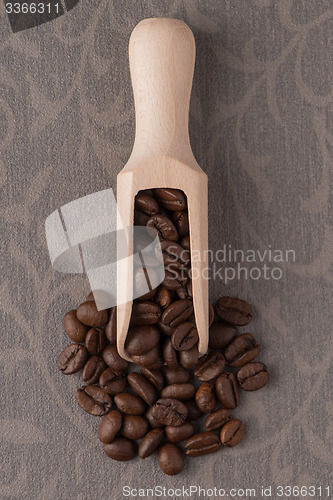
(162, 55)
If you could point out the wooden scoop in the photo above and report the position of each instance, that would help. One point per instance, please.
(162, 55)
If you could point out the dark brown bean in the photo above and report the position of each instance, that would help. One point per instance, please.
(111, 327)
(180, 220)
(163, 297)
(92, 370)
(175, 278)
(221, 334)
(185, 242)
(178, 434)
(242, 350)
(169, 412)
(176, 375)
(217, 419)
(88, 314)
(143, 388)
(174, 255)
(155, 424)
(227, 390)
(113, 359)
(134, 427)
(203, 443)
(193, 412)
(167, 330)
(149, 359)
(185, 292)
(205, 398)
(94, 400)
(140, 219)
(145, 313)
(182, 392)
(170, 354)
(141, 339)
(171, 199)
(189, 359)
(112, 381)
(232, 432)
(129, 403)
(150, 442)
(95, 341)
(185, 336)
(177, 312)
(72, 359)
(146, 204)
(210, 366)
(235, 311)
(154, 376)
(170, 459)
(164, 226)
(110, 425)
(253, 376)
(75, 330)
(121, 449)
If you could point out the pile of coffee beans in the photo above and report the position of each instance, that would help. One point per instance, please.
(177, 396)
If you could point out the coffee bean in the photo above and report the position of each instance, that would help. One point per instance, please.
(89, 297)
(210, 366)
(112, 381)
(140, 219)
(235, 311)
(182, 392)
(221, 334)
(141, 339)
(170, 459)
(177, 312)
(174, 255)
(171, 199)
(94, 400)
(180, 220)
(146, 204)
(193, 412)
(169, 412)
(113, 359)
(155, 424)
(185, 336)
(92, 370)
(163, 297)
(129, 403)
(178, 434)
(111, 327)
(145, 313)
(154, 376)
(185, 292)
(150, 442)
(75, 330)
(176, 375)
(170, 354)
(72, 359)
(203, 443)
(143, 388)
(211, 314)
(164, 227)
(217, 419)
(95, 341)
(232, 432)
(88, 314)
(185, 242)
(149, 359)
(134, 427)
(242, 350)
(227, 390)
(189, 359)
(205, 397)
(110, 425)
(121, 449)
(175, 278)
(253, 376)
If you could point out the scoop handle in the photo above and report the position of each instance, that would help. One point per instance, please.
(162, 55)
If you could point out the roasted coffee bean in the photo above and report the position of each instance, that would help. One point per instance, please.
(170, 459)
(140, 219)
(95, 341)
(146, 204)
(92, 370)
(175, 278)
(111, 327)
(88, 314)
(193, 412)
(129, 403)
(242, 350)
(167, 330)
(143, 388)
(94, 400)
(154, 376)
(149, 359)
(110, 425)
(150, 442)
(189, 359)
(176, 375)
(149, 295)
(170, 354)
(89, 297)
(72, 359)
(169, 412)
(180, 220)
(178, 434)
(232, 432)
(210, 366)
(113, 359)
(182, 392)
(227, 390)
(177, 312)
(185, 292)
(141, 339)
(203, 443)
(185, 336)
(163, 226)
(221, 334)
(253, 376)
(217, 419)
(235, 311)
(205, 397)
(75, 330)
(211, 314)
(163, 297)
(112, 381)
(121, 449)
(174, 255)
(155, 424)
(145, 313)
(185, 242)
(134, 427)
(171, 199)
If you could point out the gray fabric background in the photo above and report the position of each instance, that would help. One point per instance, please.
(261, 126)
